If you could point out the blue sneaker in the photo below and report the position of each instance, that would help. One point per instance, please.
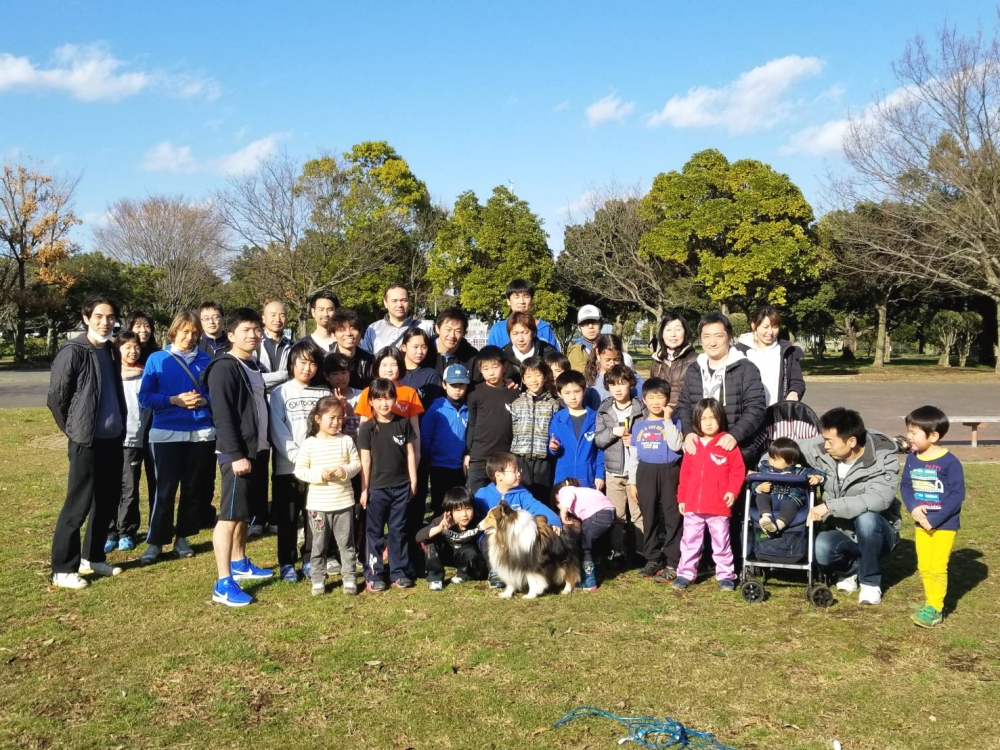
(494, 580)
(227, 592)
(589, 580)
(110, 545)
(126, 544)
(243, 569)
(307, 570)
(289, 574)
(727, 584)
(680, 583)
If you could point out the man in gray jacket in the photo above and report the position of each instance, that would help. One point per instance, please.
(859, 505)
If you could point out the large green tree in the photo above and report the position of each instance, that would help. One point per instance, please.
(480, 249)
(741, 227)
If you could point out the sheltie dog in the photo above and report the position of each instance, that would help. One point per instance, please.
(526, 552)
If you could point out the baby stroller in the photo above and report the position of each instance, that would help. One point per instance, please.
(792, 549)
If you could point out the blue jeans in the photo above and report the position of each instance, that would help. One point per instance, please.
(836, 551)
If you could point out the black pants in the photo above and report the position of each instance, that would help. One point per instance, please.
(415, 512)
(478, 476)
(593, 530)
(258, 500)
(126, 520)
(207, 515)
(387, 507)
(467, 560)
(536, 477)
(93, 489)
(443, 480)
(288, 507)
(184, 464)
(657, 487)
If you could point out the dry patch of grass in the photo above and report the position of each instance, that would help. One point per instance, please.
(146, 661)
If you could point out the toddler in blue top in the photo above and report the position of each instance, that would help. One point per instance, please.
(783, 458)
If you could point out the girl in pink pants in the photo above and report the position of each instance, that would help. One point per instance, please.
(711, 478)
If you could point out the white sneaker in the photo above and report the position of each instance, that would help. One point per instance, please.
(869, 594)
(99, 568)
(182, 547)
(68, 581)
(435, 585)
(848, 585)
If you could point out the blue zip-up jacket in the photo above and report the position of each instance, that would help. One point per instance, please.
(579, 458)
(164, 377)
(517, 498)
(499, 336)
(443, 433)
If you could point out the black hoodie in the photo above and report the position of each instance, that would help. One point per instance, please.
(234, 412)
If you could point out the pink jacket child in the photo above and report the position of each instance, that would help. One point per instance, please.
(597, 516)
(710, 482)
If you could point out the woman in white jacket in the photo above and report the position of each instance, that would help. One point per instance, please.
(289, 407)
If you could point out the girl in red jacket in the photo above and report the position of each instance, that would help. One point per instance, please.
(711, 478)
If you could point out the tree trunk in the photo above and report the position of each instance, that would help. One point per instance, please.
(888, 348)
(724, 308)
(996, 348)
(945, 359)
(22, 316)
(52, 337)
(819, 348)
(880, 337)
(850, 339)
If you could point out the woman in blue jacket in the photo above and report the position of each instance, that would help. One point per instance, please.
(182, 438)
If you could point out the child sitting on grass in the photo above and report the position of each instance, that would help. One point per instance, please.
(453, 539)
(933, 489)
(327, 461)
(783, 458)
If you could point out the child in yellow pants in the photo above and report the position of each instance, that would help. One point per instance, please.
(933, 489)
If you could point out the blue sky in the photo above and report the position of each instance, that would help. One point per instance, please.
(558, 98)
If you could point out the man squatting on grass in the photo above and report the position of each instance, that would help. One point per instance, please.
(239, 411)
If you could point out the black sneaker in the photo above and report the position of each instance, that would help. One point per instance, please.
(667, 575)
(651, 569)
(376, 586)
(495, 580)
(403, 583)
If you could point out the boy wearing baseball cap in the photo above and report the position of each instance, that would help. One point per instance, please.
(443, 433)
(590, 321)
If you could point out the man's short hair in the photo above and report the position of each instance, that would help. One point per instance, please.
(324, 294)
(716, 317)
(929, 419)
(499, 463)
(242, 315)
(520, 286)
(99, 299)
(385, 294)
(619, 374)
(655, 385)
(210, 306)
(571, 377)
(346, 318)
(452, 313)
(522, 319)
(847, 423)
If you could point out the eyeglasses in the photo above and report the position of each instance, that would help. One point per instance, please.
(211, 318)
(509, 470)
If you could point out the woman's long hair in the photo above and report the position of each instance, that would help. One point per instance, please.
(607, 342)
(151, 345)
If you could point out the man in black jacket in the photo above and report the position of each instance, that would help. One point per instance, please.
(450, 347)
(239, 412)
(87, 400)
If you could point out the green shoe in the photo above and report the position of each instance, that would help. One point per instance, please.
(928, 617)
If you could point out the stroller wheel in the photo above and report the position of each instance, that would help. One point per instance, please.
(752, 591)
(819, 595)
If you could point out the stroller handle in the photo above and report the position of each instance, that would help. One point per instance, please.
(779, 478)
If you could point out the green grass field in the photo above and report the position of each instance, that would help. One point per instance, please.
(145, 661)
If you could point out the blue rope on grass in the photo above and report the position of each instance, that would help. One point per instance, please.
(648, 731)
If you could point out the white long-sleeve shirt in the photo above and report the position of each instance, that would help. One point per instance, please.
(289, 406)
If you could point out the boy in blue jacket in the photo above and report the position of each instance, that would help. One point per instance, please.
(442, 436)
(571, 435)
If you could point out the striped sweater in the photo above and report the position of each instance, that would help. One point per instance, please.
(317, 454)
(531, 416)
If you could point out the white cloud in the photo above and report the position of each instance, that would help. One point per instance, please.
(561, 106)
(247, 158)
(608, 109)
(166, 157)
(818, 140)
(91, 73)
(751, 102)
(579, 209)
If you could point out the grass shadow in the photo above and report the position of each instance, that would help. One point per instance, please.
(965, 571)
(899, 565)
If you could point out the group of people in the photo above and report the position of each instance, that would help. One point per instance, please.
(351, 433)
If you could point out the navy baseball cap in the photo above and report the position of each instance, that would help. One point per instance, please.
(454, 374)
